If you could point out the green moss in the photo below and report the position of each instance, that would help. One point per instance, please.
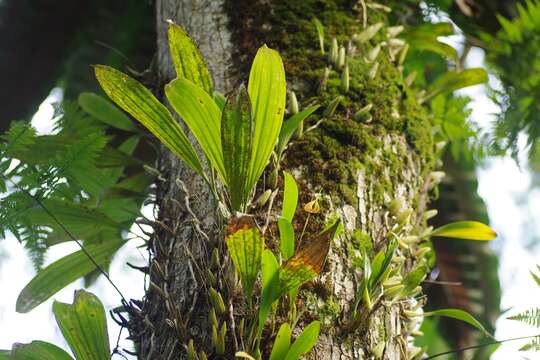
(332, 154)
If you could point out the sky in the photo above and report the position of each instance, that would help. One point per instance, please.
(505, 187)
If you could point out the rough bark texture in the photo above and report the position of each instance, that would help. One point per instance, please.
(176, 307)
(360, 168)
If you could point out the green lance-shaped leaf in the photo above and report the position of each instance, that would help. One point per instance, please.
(63, 272)
(307, 262)
(246, 246)
(286, 238)
(187, 60)
(459, 315)
(305, 342)
(270, 286)
(82, 221)
(84, 326)
(38, 350)
(282, 342)
(201, 114)
(468, 230)
(455, 80)
(220, 100)
(140, 103)
(379, 269)
(105, 111)
(290, 126)
(237, 140)
(290, 197)
(267, 91)
(413, 279)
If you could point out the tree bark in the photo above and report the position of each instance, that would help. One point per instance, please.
(372, 174)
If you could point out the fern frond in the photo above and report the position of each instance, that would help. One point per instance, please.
(19, 136)
(534, 345)
(529, 317)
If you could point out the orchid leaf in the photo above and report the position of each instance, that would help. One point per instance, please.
(201, 114)
(140, 103)
(468, 230)
(84, 326)
(267, 91)
(187, 60)
(237, 142)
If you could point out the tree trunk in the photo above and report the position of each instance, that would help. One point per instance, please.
(373, 172)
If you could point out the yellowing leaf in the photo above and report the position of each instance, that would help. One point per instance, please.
(267, 91)
(140, 103)
(468, 230)
(187, 60)
(201, 114)
(245, 244)
(244, 355)
(308, 262)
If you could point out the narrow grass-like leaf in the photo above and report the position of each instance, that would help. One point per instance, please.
(62, 273)
(270, 286)
(105, 111)
(246, 245)
(38, 350)
(290, 126)
(469, 230)
(236, 140)
(460, 315)
(201, 114)
(286, 238)
(290, 197)
(267, 91)
(187, 60)
(282, 342)
(305, 342)
(320, 33)
(140, 103)
(84, 326)
(454, 80)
